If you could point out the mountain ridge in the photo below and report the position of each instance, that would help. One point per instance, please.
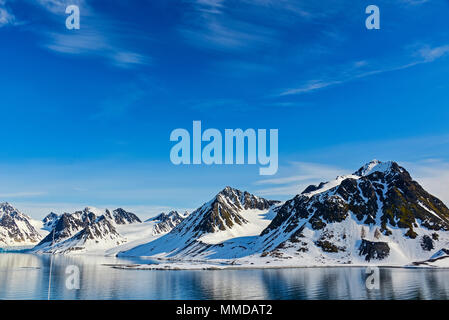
(375, 215)
(378, 214)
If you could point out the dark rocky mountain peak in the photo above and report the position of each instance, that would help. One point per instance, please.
(222, 212)
(165, 222)
(121, 216)
(16, 227)
(382, 195)
(50, 220)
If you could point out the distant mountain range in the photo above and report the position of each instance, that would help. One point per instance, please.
(88, 231)
(94, 230)
(377, 215)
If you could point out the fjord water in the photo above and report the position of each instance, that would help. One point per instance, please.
(26, 276)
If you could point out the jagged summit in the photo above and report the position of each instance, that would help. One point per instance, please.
(230, 213)
(15, 227)
(242, 200)
(223, 212)
(164, 216)
(377, 166)
(165, 222)
(50, 220)
(7, 209)
(121, 216)
(367, 169)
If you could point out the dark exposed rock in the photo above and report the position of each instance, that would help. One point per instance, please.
(427, 243)
(374, 250)
(120, 216)
(97, 230)
(327, 246)
(312, 188)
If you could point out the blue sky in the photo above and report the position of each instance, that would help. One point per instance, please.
(87, 114)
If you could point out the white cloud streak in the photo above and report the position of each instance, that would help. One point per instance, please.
(21, 194)
(97, 36)
(357, 71)
(6, 17)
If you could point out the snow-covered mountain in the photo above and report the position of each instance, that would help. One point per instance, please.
(49, 221)
(102, 232)
(16, 228)
(231, 213)
(165, 222)
(89, 229)
(120, 216)
(376, 215)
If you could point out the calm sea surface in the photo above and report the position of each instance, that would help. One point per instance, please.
(26, 276)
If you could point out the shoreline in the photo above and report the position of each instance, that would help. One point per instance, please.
(179, 264)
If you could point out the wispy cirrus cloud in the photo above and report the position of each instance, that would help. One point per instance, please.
(98, 36)
(221, 24)
(21, 194)
(360, 69)
(94, 43)
(6, 17)
(414, 2)
(430, 54)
